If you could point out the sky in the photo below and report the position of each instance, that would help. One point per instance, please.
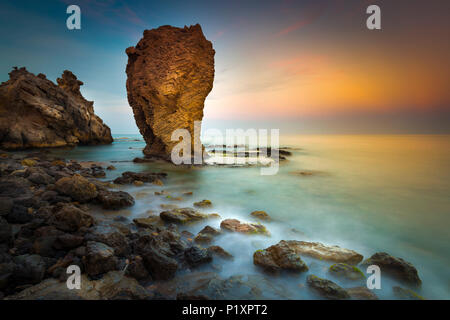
(300, 66)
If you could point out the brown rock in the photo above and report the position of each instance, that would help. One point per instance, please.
(396, 267)
(248, 228)
(323, 252)
(279, 257)
(170, 73)
(77, 187)
(361, 293)
(34, 112)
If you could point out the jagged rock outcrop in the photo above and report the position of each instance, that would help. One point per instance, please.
(35, 112)
(170, 73)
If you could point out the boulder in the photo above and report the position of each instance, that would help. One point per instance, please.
(235, 225)
(129, 177)
(113, 286)
(396, 267)
(203, 204)
(279, 257)
(170, 73)
(29, 269)
(262, 215)
(220, 252)
(6, 205)
(182, 215)
(77, 187)
(99, 258)
(5, 231)
(115, 199)
(323, 252)
(150, 222)
(326, 288)
(406, 294)
(346, 271)
(196, 256)
(37, 113)
(69, 218)
(110, 236)
(361, 293)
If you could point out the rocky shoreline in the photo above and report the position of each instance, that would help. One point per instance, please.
(46, 225)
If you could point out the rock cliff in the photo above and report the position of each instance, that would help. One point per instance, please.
(170, 73)
(35, 112)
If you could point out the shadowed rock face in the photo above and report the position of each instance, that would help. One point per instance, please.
(34, 112)
(170, 73)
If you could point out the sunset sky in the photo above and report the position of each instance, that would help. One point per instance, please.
(301, 66)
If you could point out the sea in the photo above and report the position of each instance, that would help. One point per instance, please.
(368, 193)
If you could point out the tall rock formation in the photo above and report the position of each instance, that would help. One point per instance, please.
(170, 73)
(34, 112)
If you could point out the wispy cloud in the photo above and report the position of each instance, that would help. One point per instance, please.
(311, 16)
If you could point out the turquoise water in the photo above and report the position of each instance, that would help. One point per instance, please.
(366, 193)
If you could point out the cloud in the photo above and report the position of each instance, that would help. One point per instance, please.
(311, 16)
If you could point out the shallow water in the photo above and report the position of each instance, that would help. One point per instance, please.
(366, 193)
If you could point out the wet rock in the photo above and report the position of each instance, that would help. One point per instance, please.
(129, 177)
(406, 294)
(150, 222)
(262, 215)
(279, 257)
(68, 241)
(110, 236)
(5, 231)
(37, 113)
(182, 215)
(220, 252)
(6, 205)
(361, 293)
(247, 228)
(111, 167)
(99, 258)
(203, 204)
(6, 274)
(397, 267)
(326, 288)
(115, 199)
(44, 246)
(136, 269)
(169, 74)
(29, 269)
(53, 197)
(161, 266)
(77, 187)
(138, 183)
(196, 256)
(346, 271)
(113, 285)
(323, 252)
(203, 238)
(69, 218)
(12, 187)
(19, 214)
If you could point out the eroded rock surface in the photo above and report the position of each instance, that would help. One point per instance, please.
(35, 112)
(323, 252)
(170, 73)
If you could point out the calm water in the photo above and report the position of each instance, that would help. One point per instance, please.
(366, 193)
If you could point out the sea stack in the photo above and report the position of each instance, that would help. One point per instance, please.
(170, 73)
(35, 113)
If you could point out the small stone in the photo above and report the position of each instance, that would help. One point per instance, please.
(203, 204)
(138, 183)
(262, 215)
(326, 288)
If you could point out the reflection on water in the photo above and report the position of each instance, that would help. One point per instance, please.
(366, 193)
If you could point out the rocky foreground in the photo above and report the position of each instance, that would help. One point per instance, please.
(35, 113)
(170, 72)
(47, 224)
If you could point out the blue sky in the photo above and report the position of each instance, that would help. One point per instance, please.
(303, 66)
